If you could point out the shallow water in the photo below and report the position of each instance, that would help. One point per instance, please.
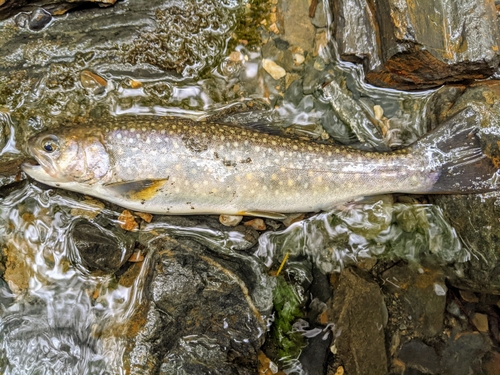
(57, 317)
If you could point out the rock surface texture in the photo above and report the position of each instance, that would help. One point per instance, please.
(418, 44)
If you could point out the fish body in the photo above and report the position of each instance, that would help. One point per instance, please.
(180, 166)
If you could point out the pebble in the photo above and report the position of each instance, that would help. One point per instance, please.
(469, 296)
(378, 111)
(273, 69)
(292, 218)
(147, 217)
(136, 257)
(230, 220)
(257, 224)
(93, 82)
(39, 19)
(481, 322)
(127, 221)
(235, 56)
(298, 59)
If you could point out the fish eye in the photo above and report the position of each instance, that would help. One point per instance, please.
(50, 144)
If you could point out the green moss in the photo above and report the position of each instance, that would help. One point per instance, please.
(287, 305)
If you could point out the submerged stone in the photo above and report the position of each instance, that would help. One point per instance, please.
(422, 295)
(358, 314)
(201, 318)
(99, 248)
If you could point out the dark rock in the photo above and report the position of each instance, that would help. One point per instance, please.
(314, 355)
(355, 32)
(417, 355)
(358, 314)
(54, 7)
(201, 318)
(39, 18)
(463, 353)
(404, 48)
(98, 248)
(422, 294)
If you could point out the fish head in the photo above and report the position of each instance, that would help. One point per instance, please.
(68, 156)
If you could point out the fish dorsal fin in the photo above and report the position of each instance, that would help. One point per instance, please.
(266, 214)
(136, 190)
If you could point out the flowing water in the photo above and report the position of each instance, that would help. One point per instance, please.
(194, 58)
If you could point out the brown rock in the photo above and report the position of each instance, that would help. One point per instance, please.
(127, 221)
(480, 321)
(257, 224)
(358, 313)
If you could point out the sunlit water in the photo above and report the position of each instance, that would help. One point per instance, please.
(57, 317)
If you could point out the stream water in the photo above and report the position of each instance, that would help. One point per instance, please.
(59, 317)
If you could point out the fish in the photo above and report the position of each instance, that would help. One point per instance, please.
(174, 165)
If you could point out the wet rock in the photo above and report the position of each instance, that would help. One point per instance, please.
(38, 19)
(296, 27)
(358, 314)
(319, 18)
(201, 318)
(417, 355)
(475, 217)
(98, 248)
(355, 32)
(403, 49)
(273, 69)
(422, 295)
(463, 353)
(53, 7)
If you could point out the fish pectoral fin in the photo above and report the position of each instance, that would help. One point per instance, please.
(266, 214)
(136, 190)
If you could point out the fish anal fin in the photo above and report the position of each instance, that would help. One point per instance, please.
(266, 214)
(137, 190)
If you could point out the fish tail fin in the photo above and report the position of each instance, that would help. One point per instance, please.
(458, 151)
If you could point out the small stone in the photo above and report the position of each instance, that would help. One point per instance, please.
(339, 371)
(298, 59)
(135, 84)
(481, 322)
(257, 224)
(39, 19)
(147, 217)
(320, 19)
(235, 56)
(127, 221)
(273, 69)
(93, 82)
(136, 257)
(91, 209)
(320, 42)
(293, 218)
(319, 64)
(266, 366)
(230, 220)
(469, 296)
(379, 112)
(274, 28)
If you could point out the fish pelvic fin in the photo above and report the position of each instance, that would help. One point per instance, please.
(460, 150)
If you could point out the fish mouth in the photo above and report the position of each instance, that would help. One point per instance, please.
(37, 172)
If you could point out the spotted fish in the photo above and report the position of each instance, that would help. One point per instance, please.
(178, 166)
